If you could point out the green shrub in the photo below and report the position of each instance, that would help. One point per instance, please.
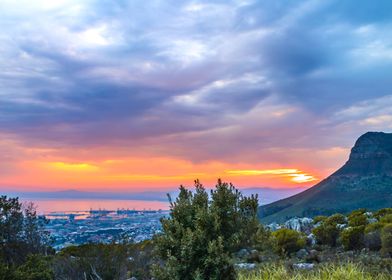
(262, 239)
(336, 219)
(287, 241)
(319, 219)
(382, 212)
(200, 235)
(352, 238)
(386, 240)
(357, 218)
(372, 240)
(96, 261)
(4, 271)
(327, 233)
(35, 268)
(374, 227)
(386, 219)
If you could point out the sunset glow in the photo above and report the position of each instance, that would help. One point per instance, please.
(144, 95)
(138, 173)
(295, 175)
(72, 167)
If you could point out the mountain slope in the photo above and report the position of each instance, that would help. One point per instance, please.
(364, 181)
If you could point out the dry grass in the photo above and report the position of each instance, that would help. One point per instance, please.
(348, 271)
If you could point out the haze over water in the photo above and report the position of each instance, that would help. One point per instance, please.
(46, 206)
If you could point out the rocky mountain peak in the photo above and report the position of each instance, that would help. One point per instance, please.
(364, 181)
(371, 154)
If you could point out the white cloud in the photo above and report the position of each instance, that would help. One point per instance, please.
(373, 114)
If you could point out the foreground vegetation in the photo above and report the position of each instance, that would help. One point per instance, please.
(209, 235)
(348, 271)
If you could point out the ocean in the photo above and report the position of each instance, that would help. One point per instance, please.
(47, 206)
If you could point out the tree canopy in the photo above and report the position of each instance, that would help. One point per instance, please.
(204, 230)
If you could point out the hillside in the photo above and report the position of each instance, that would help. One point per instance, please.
(364, 181)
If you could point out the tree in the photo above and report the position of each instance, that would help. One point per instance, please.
(288, 241)
(201, 234)
(34, 235)
(21, 231)
(11, 226)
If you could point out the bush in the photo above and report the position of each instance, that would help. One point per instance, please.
(35, 268)
(336, 219)
(262, 239)
(94, 261)
(374, 227)
(372, 240)
(352, 238)
(357, 218)
(382, 212)
(327, 233)
(373, 236)
(319, 219)
(386, 219)
(200, 235)
(287, 241)
(386, 240)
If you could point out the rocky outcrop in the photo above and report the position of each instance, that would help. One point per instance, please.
(245, 266)
(300, 224)
(303, 266)
(371, 155)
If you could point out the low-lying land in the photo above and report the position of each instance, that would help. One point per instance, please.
(214, 236)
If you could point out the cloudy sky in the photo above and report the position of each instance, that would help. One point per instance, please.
(136, 95)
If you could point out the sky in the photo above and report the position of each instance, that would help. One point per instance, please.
(147, 95)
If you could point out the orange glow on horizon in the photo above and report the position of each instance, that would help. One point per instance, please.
(72, 166)
(104, 169)
(152, 173)
(297, 176)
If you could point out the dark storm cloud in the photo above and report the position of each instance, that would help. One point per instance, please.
(173, 73)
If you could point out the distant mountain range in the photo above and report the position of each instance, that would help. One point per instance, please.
(364, 181)
(76, 194)
(266, 195)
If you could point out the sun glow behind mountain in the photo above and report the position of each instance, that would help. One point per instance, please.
(295, 175)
